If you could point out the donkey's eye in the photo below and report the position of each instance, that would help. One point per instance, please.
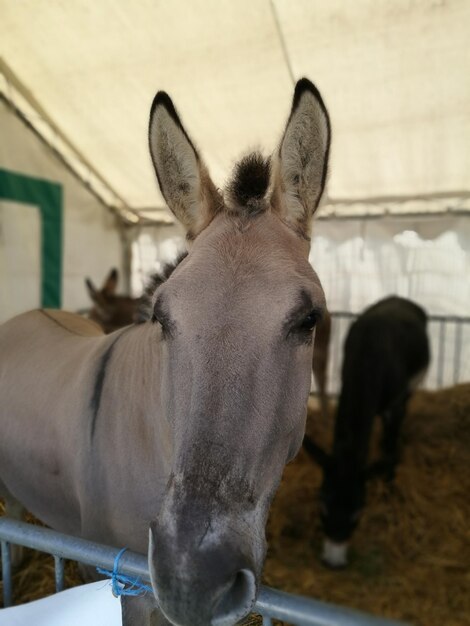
(309, 322)
(165, 325)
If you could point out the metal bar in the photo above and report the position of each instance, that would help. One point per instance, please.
(440, 195)
(6, 574)
(343, 314)
(59, 573)
(271, 603)
(328, 213)
(336, 353)
(440, 354)
(448, 318)
(457, 351)
(431, 318)
(306, 612)
(64, 546)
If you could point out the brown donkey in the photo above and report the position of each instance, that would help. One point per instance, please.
(179, 428)
(111, 311)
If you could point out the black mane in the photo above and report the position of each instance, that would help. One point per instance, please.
(144, 311)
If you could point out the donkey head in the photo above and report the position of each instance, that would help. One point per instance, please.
(237, 318)
(342, 499)
(110, 311)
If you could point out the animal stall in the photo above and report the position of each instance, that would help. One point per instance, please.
(78, 197)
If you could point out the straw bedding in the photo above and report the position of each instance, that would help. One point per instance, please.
(410, 556)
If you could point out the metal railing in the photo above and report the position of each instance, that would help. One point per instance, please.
(449, 338)
(271, 604)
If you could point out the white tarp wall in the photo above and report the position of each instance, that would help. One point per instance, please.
(90, 240)
(152, 248)
(426, 259)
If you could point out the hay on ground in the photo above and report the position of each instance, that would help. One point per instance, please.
(410, 557)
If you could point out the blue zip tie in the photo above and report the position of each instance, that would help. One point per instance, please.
(137, 587)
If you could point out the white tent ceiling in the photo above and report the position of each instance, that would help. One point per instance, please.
(394, 74)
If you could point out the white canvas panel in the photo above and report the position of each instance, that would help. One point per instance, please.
(91, 239)
(20, 258)
(426, 259)
(92, 604)
(152, 249)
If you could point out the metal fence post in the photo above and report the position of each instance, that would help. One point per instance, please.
(59, 573)
(457, 350)
(6, 574)
(441, 353)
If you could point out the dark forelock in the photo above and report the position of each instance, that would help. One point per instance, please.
(249, 184)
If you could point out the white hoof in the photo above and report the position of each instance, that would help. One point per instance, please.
(335, 554)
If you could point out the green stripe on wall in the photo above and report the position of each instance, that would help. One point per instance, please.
(48, 197)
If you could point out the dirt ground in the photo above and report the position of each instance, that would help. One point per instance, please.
(410, 556)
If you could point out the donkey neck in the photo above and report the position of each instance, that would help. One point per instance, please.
(126, 399)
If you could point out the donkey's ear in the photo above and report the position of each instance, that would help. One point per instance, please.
(301, 165)
(183, 178)
(110, 284)
(92, 291)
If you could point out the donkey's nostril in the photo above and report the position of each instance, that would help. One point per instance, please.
(236, 600)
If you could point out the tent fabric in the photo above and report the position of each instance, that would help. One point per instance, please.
(43, 262)
(47, 197)
(393, 74)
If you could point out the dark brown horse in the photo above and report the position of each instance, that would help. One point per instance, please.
(178, 429)
(386, 355)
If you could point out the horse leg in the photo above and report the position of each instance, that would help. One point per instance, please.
(392, 422)
(142, 611)
(15, 510)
